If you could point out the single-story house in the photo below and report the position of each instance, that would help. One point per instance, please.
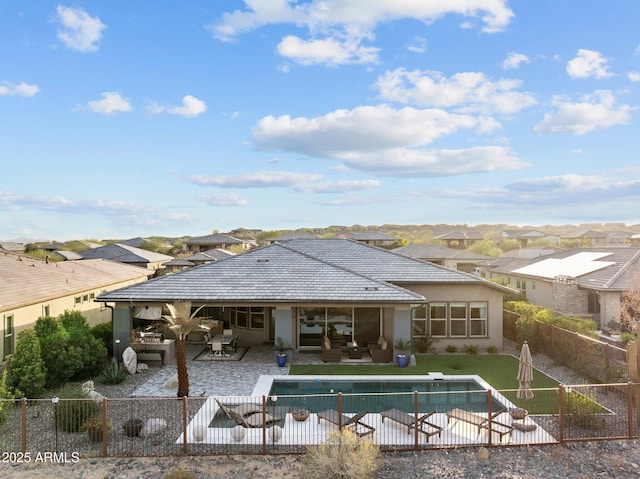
(128, 255)
(526, 237)
(374, 238)
(462, 260)
(215, 240)
(583, 282)
(305, 289)
(32, 288)
(460, 239)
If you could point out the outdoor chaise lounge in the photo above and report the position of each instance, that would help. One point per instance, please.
(258, 419)
(244, 409)
(424, 426)
(354, 424)
(480, 421)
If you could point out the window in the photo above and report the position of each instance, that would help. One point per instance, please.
(46, 311)
(8, 336)
(256, 321)
(92, 296)
(249, 318)
(419, 323)
(77, 300)
(478, 321)
(458, 321)
(241, 317)
(438, 317)
(85, 298)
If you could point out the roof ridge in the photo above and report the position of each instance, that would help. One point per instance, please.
(622, 270)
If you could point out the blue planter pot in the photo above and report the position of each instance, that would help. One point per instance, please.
(403, 360)
(282, 360)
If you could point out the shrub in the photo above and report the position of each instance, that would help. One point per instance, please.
(74, 409)
(343, 456)
(114, 372)
(104, 332)
(6, 398)
(582, 410)
(54, 342)
(526, 327)
(451, 348)
(424, 343)
(86, 354)
(492, 349)
(471, 349)
(627, 338)
(27, 371)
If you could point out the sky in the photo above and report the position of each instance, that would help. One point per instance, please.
(121, 119)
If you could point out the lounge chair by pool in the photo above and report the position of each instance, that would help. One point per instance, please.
(354, 424)
(424, 426)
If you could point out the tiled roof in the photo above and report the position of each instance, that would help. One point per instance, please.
(269, 274)
(432, 251)
(619, 272)
(124, 254)
(27, 280)
(215, 238)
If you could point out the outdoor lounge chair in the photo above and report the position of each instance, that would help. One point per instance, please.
(480, 421)
(257, 419)
(329, 353)
(354, 424)
(244, 409)
(424, 426)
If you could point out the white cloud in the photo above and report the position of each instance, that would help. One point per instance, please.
(336, 27)
(223, 199)
(366, 128)
(417, 45)
(345, 186)
(111, 103)
(385, 140)
(260, 179)
(467, 91)
(432, 163)
(329, 51)
(634, 76)
(191, 107)
(79, 31)
(588, 63)
(595, 111)
(514, 60)
(22, 89)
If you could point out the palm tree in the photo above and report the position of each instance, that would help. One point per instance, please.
(182, 321)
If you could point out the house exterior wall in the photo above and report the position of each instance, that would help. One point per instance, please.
(568, 299)
(468, 293)
(609, 307)
(26, 315)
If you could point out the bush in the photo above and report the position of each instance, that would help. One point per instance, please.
(492, 350)
(54, 341)
(86, 354)
(74, 409)
(104, 332)
(6, 398)
(582, 410)
(451, 348)
(471, 349)
(343, 456)
(27, 371)
(114, 372)
(527, 328)
(627, 338)
(424, 343)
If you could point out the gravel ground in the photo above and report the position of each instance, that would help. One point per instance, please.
(575, 460)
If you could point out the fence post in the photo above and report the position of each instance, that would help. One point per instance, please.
(560, 411)
(630, 391)
(264, 424)
(415, 423)
(24, 425)
(489, 404)
(339, 411)
(184, 424)
(105, 427)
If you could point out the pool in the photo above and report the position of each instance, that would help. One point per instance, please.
(376, 393)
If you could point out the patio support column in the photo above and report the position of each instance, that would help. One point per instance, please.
(283, 318)
(122, 325)
(401, 325)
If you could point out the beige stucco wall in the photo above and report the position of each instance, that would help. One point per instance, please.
(25, 316)
(468, 293)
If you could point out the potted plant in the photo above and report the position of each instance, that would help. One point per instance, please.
(132, 427)
(402, 348)
(95, 428)
(281, 347)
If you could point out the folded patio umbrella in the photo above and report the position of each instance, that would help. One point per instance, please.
(525, 373)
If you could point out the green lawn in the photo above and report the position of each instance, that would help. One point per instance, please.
(498, 370)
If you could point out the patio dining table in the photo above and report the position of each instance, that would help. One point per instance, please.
(228, 342)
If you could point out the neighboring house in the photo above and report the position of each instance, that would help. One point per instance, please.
(290, 236)
(177, 264)
(213, 241)
(584, 282)
(532, 251)
(451, 258)
(304, 289)
(460, 239)
(128, 255)
(67, 255)
(12, 246)
(208, 256)
(54, 247)
(373, 238)
(32, 288)
(526, 237)
(600, 238)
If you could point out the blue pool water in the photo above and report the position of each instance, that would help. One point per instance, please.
(377, 395)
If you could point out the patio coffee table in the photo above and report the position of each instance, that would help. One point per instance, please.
(355, 353)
